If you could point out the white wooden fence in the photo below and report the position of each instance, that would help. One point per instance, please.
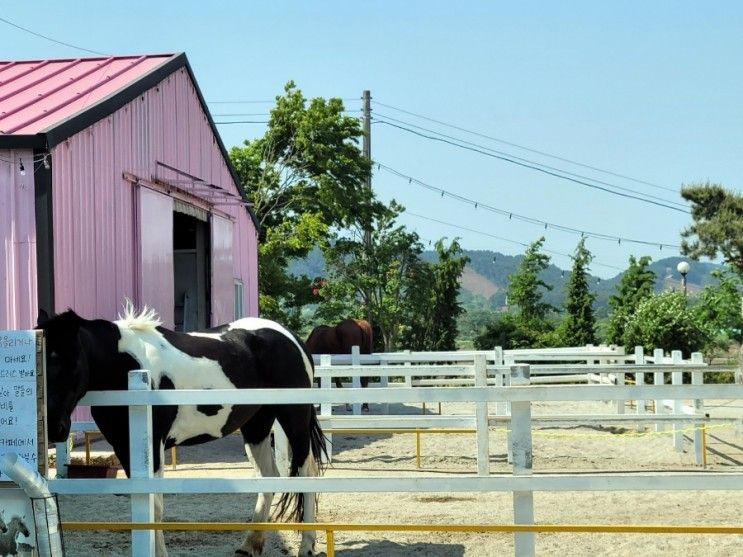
(522, 483)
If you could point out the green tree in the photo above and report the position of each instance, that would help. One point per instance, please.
(382, 274)
(718, 310)
(666, 321)
(433, 304)
(717, 228)
(305, 176)
(637, 284)
(578, 326)
(525, 290)
(505, 330)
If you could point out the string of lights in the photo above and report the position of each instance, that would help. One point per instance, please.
(501, 238)
(529, 149)
(523, 218)
(534, 167)
(529, 163)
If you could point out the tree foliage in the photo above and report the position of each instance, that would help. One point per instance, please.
(718, 224)
(434, 301)
(717, 227)
(578, 326)
(718, 311)
(529, 325)
(305, 176)
(666, 321)
(525, 286)
(379, 275)
(637, 284)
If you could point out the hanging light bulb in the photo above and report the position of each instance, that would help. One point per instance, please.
(23, 170)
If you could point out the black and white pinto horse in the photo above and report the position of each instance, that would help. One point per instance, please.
(96, 355)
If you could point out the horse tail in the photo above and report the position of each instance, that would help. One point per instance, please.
(367, 341)
(291, 505)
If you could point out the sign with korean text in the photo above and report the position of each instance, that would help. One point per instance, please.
(21, 397)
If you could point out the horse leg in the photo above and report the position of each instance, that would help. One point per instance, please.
(160, 549)
(296, 421)
(257, 436)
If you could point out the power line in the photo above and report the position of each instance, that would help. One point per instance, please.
(511, 215)
(50, 39)
(269, 101)
(488, 234)
(530, 162)
(242, 122)
(543, 153)
(532, 167)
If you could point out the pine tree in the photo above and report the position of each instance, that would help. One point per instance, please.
(578, 327)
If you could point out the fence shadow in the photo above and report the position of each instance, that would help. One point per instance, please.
(386, 547)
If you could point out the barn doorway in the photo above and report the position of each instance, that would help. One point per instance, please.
(191, 267)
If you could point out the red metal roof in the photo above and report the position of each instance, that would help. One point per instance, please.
(36, 95)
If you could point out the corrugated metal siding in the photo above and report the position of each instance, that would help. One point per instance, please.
(18, 306)
(96, 255)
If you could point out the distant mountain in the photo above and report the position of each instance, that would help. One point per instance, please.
(487, 274)
(486, 277)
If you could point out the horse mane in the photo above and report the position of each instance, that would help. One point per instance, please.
(144, 320)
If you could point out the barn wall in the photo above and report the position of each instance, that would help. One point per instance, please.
(18, 304)
(96, 244)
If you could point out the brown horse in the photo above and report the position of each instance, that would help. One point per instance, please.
(339, 339)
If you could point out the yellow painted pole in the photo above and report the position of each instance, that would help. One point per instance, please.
(355, 527)
(418, 448)
(329, 543)
(87, 447)
(173, 461)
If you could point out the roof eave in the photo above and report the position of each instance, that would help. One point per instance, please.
(35, 141)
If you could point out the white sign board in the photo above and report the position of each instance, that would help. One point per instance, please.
(18, 396)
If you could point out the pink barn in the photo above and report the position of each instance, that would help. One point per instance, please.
(115, 184)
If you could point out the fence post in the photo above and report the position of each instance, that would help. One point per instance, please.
(500, 380)
(509, 361)
(697, 378)
(481, 418)
(523, 501)
(677, 378)
(619, 380)
(356, 380)
(326, 408)
(140, 460)
(639, 381)
(63, 456)
(658, 379)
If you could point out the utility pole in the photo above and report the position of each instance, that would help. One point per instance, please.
(366, 149)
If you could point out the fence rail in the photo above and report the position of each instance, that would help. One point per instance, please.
(522, 483)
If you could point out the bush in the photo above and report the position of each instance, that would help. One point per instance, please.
(666, 321)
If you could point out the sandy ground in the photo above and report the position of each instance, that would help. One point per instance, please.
(561, 449)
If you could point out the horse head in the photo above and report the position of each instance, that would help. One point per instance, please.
(67, 373)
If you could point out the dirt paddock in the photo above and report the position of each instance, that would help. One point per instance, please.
(574, 448)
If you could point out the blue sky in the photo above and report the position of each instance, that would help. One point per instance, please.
(647, 90)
